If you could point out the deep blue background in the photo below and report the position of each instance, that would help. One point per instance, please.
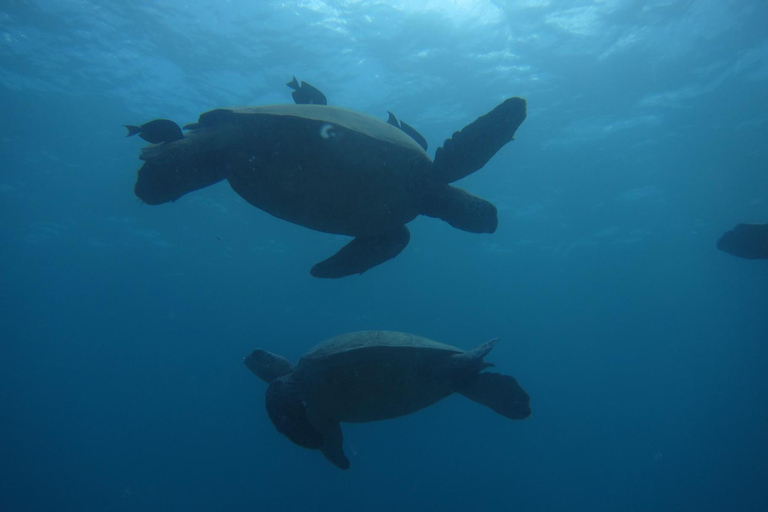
(643, 348)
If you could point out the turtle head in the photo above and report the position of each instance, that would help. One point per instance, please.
(267, 366)
(178, 167)
(162, 180)
(288, 413)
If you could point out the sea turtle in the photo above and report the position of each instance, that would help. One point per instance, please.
(748, 241)
(375, 375)
(333, 170)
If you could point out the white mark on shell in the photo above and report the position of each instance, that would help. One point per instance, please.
(326, 131)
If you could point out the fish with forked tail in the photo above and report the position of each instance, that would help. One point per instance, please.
(305, 94)
(156, 131)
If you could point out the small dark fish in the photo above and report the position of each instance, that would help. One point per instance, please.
(191, 126)
(157, 131)
(408, 129)
(305, 94)
(412, 133)
(748, 241)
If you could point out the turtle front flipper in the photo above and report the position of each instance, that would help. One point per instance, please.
(286, 409)
(362, 253)
(470, 149)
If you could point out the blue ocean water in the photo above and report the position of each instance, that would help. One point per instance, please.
(643, 348)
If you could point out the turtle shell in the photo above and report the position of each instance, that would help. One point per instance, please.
(382, 340)
(336, 116)
(374, 375)
(325, 168)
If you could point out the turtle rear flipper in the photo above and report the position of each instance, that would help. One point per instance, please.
(458, 208)
(499, 392)
(362, 253)
(471, 148)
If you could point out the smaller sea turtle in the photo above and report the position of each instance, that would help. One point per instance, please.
(748, 241)
(375, 375)
(305, 94)
(157, 131)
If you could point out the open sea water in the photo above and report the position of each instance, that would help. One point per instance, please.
(643, 347)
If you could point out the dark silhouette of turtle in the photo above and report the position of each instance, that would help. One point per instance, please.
(375, 375)
(156, 131)
(748, 241)
(333, 170)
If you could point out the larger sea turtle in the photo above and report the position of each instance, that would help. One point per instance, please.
(333, 170)
(375, 375)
